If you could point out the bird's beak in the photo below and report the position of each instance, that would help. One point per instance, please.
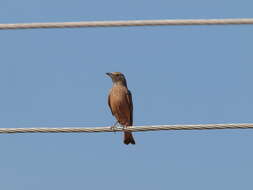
(109, 74)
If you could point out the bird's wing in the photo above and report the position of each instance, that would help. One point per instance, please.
(130, 104)
(109, 102)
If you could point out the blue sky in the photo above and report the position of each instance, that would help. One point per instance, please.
(177, 75)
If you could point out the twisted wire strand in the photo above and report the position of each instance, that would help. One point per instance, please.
(128, 23)
(133, 128)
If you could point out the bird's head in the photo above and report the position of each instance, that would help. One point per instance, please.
(117, 78)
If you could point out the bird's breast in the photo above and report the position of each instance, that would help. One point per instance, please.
(120, 105)
(118, 95)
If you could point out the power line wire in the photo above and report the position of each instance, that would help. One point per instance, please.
(228, 21)
(133, 128)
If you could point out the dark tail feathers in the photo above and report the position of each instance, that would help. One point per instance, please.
(128, 138)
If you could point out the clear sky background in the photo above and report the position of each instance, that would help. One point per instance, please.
(177, 75)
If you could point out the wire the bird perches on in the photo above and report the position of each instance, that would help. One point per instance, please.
(133, 128)
(227, 21)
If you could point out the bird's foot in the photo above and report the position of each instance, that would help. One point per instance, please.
(113, 128)
(124, 128)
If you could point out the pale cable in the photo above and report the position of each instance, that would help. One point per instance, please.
(234, 21)
(133, 128)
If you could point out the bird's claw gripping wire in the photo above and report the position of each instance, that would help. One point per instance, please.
(114, 127)
(124, 127)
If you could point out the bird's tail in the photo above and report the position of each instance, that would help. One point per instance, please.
(128, 138)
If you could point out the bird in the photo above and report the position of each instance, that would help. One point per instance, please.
(121, 105)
